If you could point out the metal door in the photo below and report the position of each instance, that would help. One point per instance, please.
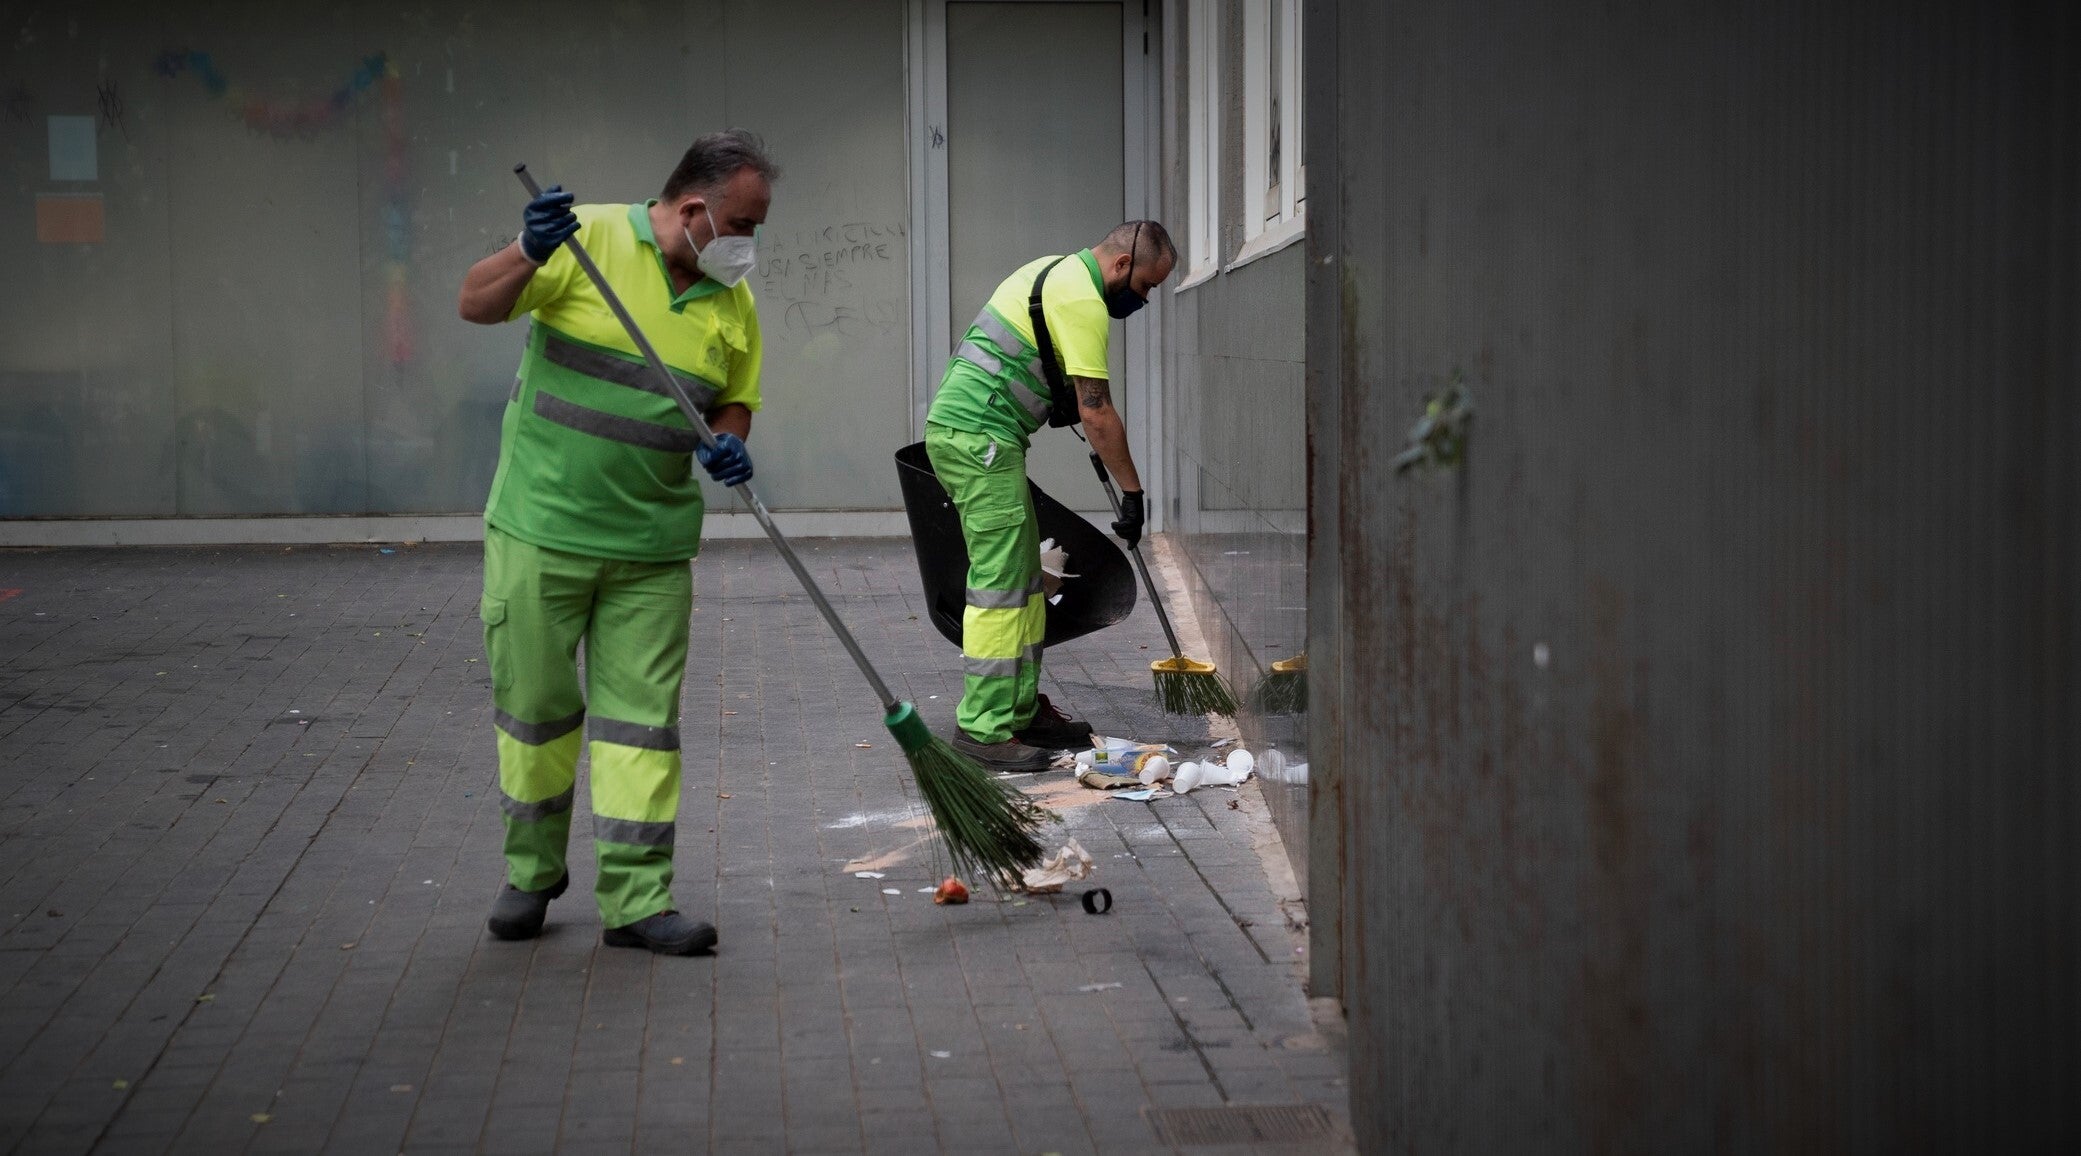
(1032, 132)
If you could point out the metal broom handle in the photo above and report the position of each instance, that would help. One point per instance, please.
(1105, 479)
(695, 418)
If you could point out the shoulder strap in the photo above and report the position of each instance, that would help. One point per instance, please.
(1062, 405)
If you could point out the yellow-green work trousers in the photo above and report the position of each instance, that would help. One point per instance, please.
(539, 604)
(1005, 619)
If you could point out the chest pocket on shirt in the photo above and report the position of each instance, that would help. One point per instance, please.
(723, 347)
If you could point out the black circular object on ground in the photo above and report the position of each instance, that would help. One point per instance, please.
(1091, 899)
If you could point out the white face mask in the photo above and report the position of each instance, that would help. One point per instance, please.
(726, 259)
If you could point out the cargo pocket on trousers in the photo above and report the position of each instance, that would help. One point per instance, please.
(493, 612)
(989, 519)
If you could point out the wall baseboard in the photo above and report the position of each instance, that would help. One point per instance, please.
(68, 532)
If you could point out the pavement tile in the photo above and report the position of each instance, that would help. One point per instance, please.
(823, 1138)
(529, 1128)
(331, 906)
(892, 1098)
(901, 1143)
(140, 1131)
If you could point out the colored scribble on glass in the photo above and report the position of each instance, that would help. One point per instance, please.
(305, 118)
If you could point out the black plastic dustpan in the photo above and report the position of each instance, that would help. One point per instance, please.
(1100, 595)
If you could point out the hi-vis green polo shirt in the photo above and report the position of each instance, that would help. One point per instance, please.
(594, 457)
(994, 383)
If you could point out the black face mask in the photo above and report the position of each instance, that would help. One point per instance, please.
(1121, 303)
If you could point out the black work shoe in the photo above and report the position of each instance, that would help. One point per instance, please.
(1009, 755)
(518, 914)
(667, 933)
(1052, 729)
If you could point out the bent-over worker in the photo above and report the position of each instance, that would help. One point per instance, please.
(996, 392)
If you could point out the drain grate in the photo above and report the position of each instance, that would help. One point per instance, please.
(1240, 1124)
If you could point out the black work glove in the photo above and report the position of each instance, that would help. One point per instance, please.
(1129, 525)
(547, 223)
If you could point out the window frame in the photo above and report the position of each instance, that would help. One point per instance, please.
(1202, 48)
(1268, 230)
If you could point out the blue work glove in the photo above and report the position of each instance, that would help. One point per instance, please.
(1129, 527)
(729, 462)
(547, 223)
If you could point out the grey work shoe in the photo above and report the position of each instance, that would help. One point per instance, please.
(1009, 755)
(1053, 729)
(667, 933)
(518, 914)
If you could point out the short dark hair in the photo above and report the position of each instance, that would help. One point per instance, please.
(715, 158)
(1150, 240)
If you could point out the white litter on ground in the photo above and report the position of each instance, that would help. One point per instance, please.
(1068, 865)
(863, 818)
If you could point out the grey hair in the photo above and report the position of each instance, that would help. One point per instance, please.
(715, 158)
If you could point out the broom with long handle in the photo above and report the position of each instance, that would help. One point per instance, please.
(1183, 685)
(989, 826)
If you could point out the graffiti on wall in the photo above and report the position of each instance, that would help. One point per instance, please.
(276, 118)
(832, 278)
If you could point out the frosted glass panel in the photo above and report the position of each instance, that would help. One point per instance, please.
(825, 83)
(286, 198)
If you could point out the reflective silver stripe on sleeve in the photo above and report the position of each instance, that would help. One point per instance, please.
(1006, 338)
(990, 667)
(633, 832)
(535, 734)
(521, 812)
(997, 599)
(628, 734)
(1035, 405)
(593, 363)
(614, 427)
(986, 360)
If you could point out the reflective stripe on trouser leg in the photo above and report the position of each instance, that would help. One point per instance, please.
(1005, 617)
(998, 695)
(535, 609)
(635, 661)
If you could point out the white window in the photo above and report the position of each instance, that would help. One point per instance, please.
(1274, 199)
(1202, 140)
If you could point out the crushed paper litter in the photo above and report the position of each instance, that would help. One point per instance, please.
(1054, 562)
(1068, 865)
(1099, 780)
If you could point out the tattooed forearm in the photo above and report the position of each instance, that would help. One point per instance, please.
(1093, 392)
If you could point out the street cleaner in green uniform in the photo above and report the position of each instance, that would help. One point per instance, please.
(595, 514)
(995, 394)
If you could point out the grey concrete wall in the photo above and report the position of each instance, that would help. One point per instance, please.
(267, 322)
(1706, 742)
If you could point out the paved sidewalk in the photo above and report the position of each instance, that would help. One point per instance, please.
(249, 834)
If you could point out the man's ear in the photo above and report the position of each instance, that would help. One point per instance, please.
(689, 212)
